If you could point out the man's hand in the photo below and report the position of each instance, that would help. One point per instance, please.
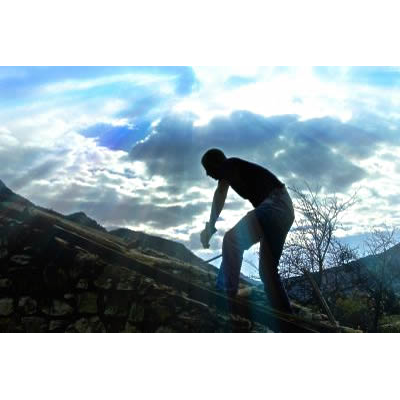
(206, 234)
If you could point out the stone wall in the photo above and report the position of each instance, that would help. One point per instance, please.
(48, 285)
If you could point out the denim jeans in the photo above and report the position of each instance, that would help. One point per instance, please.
(268, 224)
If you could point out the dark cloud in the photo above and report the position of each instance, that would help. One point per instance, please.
(41, 171)
(21, 166)
(319, 151)
(112, 210)
(235, 205)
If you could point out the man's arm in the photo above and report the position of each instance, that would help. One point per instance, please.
(216, 208)
(218, 201)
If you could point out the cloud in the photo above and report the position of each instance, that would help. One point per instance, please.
(237, 80)
(117, 137)
(29, 81)
(321, 150)
(63, 129)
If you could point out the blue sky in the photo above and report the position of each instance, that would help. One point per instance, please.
(123, 144)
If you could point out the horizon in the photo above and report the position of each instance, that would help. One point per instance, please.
(123, 144)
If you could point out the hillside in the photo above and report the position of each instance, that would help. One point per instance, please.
(61, 276)
(355, 275)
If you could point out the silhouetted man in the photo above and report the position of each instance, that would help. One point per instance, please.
(268, 223)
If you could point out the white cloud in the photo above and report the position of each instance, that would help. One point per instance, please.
(7, 139)
(79, 85)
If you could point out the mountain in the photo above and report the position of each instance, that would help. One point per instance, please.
(82, 219)
(8, 196)
(355, 275)
(143, 241)
(60, 275)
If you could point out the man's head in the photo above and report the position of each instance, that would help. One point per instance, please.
(212, 160)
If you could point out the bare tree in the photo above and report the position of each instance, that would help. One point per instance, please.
(381, 268)
(312, 245)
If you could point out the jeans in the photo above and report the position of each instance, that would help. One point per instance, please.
(268, 224)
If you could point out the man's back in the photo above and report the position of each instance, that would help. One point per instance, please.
(251, 181)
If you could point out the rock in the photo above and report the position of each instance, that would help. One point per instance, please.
(162, 313)
(6, 306)
(103, 283)
(5, 283)
(165, 329)
(85, 325)
(126, 285)
(58, 308)
(87, 303)
(136, 313)
(117, 304)
(86, 265)
(27, 305)
(96, 325)
(56, 277)
(129, 328)
(82, 284)
(58, 325)
(34, 324)
(79, 326)
(21, 259)
(11, 324)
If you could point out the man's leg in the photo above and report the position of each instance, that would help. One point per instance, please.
(238, 239)
(273, 285)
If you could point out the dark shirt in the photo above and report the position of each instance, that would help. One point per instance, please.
(249, 180)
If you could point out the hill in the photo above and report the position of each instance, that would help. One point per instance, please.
(353, 276)
(145, 242)
(58, 275)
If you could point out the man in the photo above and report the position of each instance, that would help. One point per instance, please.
(268, 223)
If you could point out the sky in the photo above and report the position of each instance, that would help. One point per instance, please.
(123, 144)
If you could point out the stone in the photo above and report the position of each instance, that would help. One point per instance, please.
(82, 284)
(11, 324)
(21, 259)
(117, 304)
(87, 303)
(58, 308)
(136, 313)
(126, 285)
(129, 328)
(96, 325)
(85, 325)
(165, 329)
(3, 253)
(86, 265)
(35, 324)
(103, 283)
(57, 324)
(27, 305)
(79, 326)
(162, 313)
(5, 283)
(56, 277)
(6, 306)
